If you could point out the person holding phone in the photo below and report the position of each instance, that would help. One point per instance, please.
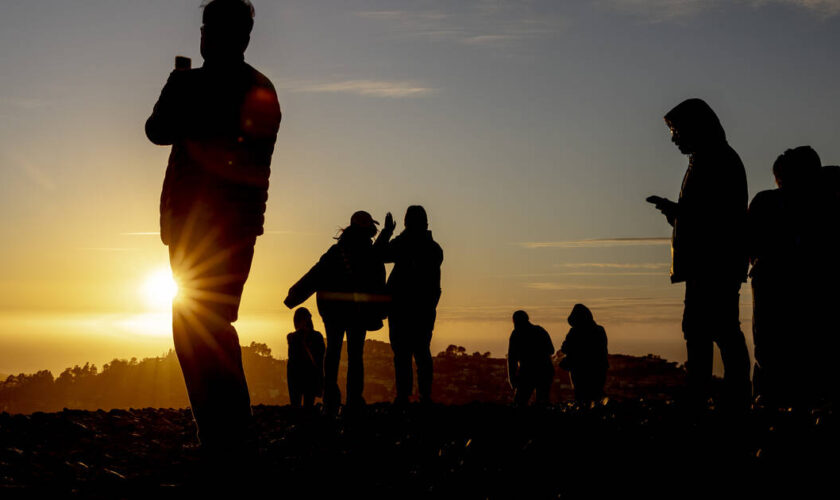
(221, 120)
(709, 251)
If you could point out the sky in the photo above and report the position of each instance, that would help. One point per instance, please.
(531, 131)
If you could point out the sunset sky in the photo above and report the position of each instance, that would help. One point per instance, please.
(531, 131)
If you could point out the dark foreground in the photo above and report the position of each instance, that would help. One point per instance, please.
(471, 451)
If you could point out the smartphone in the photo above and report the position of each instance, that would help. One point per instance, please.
(656, 200)
(182, 63)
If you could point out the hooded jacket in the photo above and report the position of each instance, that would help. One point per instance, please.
(585, 346)
(222, 122)
(710, 222)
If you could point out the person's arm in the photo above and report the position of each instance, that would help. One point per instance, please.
(383, 247)
(513, 363)
(166, 123)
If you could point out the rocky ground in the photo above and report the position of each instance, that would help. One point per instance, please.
(481, 450)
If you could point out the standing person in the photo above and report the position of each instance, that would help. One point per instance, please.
(305, 367)
(529, 361)
(785, 235)
(414, 287)
(350, 283)
(708, 250)
(585, 348)
(221, 120)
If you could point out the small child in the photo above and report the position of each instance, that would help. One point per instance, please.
(305, 368)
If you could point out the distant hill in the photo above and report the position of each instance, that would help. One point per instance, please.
(459, 378)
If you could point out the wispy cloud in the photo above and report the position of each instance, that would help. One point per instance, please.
(108, 249)
(597, 243)
(665, 10)
(371, 88)
(559, 286)
(475, 23)
(614, 265)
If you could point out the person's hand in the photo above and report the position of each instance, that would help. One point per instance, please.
(389, 222)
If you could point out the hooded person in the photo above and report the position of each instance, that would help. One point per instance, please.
(221, 121)
(414, 288)
(349, 280)
(585, 348)
(708, 250)
(529, 361)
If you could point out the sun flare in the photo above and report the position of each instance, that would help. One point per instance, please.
(160, 289)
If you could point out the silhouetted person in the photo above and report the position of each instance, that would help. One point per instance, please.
(305, 367)
(222, 121)
(585, 348)
(529, 360)
(350, 283)
(708, 250)
(414, 287)
(785, 237)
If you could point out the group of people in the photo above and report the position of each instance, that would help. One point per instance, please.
(787, 240)
(222, 121)
(354, 297)
(584, 356)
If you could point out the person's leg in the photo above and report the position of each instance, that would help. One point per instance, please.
(211, 271)
(733, 347)
(524, 389)
(402, 357)
(423, 358)
(698, 342)
(544, 390)
(355, 365)
(332, 358)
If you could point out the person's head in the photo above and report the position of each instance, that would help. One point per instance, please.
(362, 226)
(226, 29)
(797, 169)
(694, 126)
(416, 219)
(520, 319)
(303, 319)
(581, 316)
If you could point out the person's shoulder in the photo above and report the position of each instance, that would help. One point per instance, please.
(259, 78)
(291, 336)
(763, 199)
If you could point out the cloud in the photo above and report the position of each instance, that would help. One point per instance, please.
(555, 286)
(665, 10)
(371, 88)
(476, 23)
(597, 243)
(615, 265)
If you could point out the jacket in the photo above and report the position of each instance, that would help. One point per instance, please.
(222, 123)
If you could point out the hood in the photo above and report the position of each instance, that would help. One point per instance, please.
(696, 120)
(581, 316)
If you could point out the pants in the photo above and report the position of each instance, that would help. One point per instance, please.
(410, 334)
(711, 317)
(211, 268)
(335, 329)
(527, 384)
(588, 384)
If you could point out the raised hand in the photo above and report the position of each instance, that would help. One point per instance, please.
(389, 222)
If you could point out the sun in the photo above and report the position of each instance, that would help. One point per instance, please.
(160, 289)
